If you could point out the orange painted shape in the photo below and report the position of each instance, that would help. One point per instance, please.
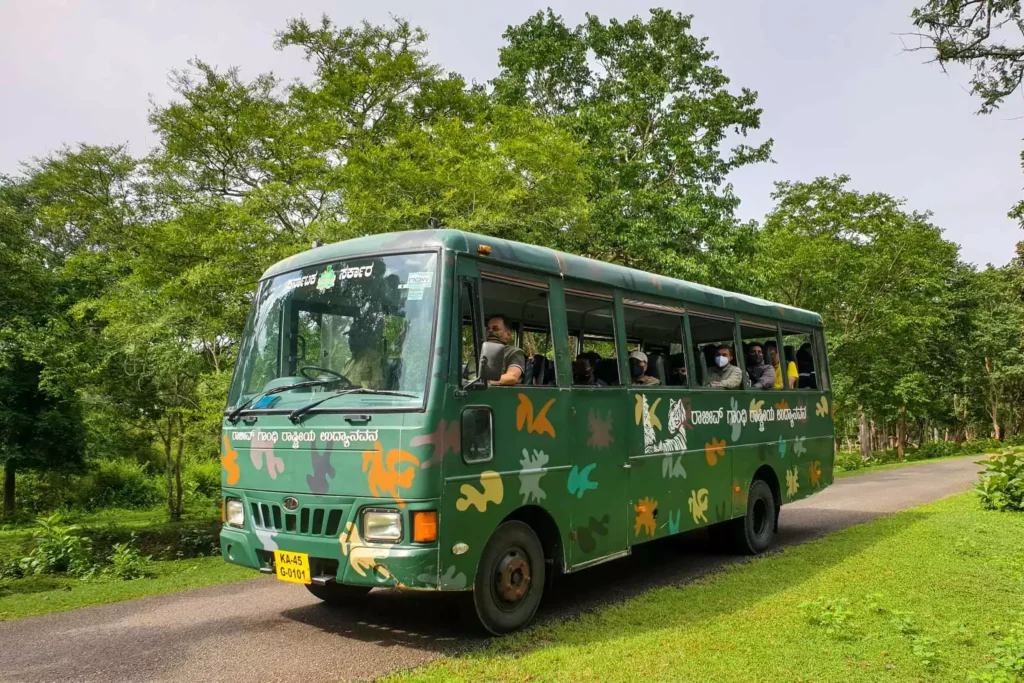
(645, 516)
(537, 424)
(229, 461)
(782, 405)
(814, 472)
(383, 473)
(714, 450)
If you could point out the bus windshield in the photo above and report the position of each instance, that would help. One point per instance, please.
(368, 321)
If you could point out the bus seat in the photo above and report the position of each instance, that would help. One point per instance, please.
(656, 367)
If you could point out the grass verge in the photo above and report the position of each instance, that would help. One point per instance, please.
(44, 594)
(907, 463)
(923, 595)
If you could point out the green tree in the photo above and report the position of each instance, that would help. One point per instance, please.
(653, 115)
(880, 276)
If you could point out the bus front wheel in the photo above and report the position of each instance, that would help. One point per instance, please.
(337, 593)
(753, 533)
(510, 579)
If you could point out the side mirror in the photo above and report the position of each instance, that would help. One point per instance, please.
(492, 355)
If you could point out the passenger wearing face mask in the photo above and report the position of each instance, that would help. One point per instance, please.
(637, 368)
(724, 374)
(762, 375)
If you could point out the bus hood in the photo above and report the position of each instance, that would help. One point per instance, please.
(323, 457)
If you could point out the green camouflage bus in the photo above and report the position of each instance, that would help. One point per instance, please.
(367, 444)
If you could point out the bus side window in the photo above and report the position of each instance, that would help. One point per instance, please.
(525, 311)
(592, 341)
(759, 340)
(708, 332)
(798, 348)
(659, 330)
(477, 426)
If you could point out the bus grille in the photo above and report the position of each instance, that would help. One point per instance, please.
(309, 521)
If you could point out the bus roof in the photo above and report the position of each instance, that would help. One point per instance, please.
(545, 260)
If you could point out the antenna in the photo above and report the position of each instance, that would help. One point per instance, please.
(433, 223)
(317, 243)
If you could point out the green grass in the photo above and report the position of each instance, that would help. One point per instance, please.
(923, 595)
(907, 463)
(44, 594)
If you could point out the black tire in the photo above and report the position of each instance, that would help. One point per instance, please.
(338, 593)
(510, 579)
(753, 533)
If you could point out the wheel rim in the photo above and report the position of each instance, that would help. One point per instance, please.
(511, 579)
(760, 517)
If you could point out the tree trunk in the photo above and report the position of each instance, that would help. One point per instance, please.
(9, 490)
(864, 434)
(177, 470)
(995, 400)
(901, 433)
(168, 444)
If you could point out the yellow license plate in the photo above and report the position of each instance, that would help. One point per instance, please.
(293, 567)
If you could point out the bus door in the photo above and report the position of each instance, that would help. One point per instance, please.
(598, 482)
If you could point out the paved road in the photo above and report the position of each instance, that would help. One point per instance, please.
(263, 630)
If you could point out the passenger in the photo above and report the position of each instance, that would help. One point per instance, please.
(761, 375)
(637, 368)
(724, 374)
(365, 368)
(514, 362)
(805, 367)
(677, 370)
(583, 373)
(791, 373)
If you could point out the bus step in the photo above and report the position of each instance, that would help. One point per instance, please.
(266, 570)
(323, 579)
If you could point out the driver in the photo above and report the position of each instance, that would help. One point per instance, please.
(366, 367)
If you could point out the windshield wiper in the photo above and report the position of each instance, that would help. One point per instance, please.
(233, 415)
(296, 415)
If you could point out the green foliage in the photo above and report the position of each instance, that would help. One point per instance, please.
(1001, 484)
(832, 615)
(119, 484)
(1006, 661)
(60, 549)
(126, 562)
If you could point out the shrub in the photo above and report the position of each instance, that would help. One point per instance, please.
(126, 562)
(847, 461)
(981, 446)
(1006, 663)
(59, 550)
(202, 480)
(1001, 485)
(935, 449)
(121, 484)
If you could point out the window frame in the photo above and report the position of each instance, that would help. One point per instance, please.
(723, 315)
(611, 300)
(462, 422)
(518, 280)
(677, 309)
(772, 326)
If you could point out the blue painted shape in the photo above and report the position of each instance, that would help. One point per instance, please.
(579, 483)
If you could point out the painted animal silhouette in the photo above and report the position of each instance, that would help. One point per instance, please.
(714, 450)
(600, 430)
(446, 438)
(698, 505)
(579, 480)
(322, 469)
(585, 534)
(229, 461)
(792, 482)
(645, 511)
(384, 474)
(491, 491)
(536, 424)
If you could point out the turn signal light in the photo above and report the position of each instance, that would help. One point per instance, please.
(424, 526)
(223, 514)
(483, 250)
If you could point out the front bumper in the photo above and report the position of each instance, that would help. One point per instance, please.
(329, 533)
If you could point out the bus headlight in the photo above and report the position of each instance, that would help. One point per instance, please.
(234, 512)
(382, 525)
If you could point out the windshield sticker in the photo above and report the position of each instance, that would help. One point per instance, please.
(415, 295)
(416, 283)
(326, 280)
(304, 281)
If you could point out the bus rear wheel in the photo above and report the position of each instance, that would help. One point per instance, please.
(510, 579)
(337, 593)
(753, 533)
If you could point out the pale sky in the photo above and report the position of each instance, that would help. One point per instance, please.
(838, 93)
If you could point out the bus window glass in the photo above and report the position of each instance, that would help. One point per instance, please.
(468, 344)
(657, 334)
(758, 341)
(709, 333)
(591, 325)
(524, 312)
(798, 348)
